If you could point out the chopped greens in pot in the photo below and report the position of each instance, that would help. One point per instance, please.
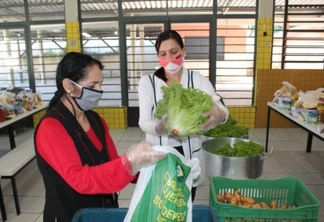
(228, 129)
(240, 149)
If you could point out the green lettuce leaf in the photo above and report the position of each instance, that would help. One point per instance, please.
(184, 109)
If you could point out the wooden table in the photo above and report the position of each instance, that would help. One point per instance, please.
(312, 129)
(8, 123)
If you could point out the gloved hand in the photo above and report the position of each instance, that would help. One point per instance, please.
(160, 127)
(141, 155)
(195, 168)
(215, 116)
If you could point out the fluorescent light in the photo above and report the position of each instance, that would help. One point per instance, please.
(86, 35)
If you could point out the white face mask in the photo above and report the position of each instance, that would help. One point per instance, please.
(172, 66)
(88, 99)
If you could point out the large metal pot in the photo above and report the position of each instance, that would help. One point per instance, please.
(232, 167)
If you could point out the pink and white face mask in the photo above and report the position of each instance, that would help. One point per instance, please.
(172, 66)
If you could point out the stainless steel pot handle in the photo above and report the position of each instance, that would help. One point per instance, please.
(267, 155)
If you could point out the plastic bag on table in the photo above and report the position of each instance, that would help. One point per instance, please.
(163, 191)
(286, 88)
(308, 99)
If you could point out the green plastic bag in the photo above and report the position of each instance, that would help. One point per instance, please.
(163, 191)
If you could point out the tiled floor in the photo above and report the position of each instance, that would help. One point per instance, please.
(288, 159)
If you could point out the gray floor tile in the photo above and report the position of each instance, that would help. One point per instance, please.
(321, 215)
(206, 182)
(130, 138)
(282, 134)
(296, 168)
(127, 192)
(40, 218)
(23, 217)
(124, 203)
(309, 178)
(277, 146)
(314, 156)
(295, 145)
(28, 205)
(322, 205)
(3, 152)
(262, 177)
(274, 176)
(319, 167)
(317, 189)
(202, 193)
(200, 202)
(318, 142)
(286, 157)
(32, 189)
(125, 144)
(298, 134)
(272, 165)
(29, 177)
(317, 148)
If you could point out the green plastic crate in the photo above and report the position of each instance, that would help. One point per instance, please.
(287, 190)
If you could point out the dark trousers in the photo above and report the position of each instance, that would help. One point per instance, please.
(193, 189)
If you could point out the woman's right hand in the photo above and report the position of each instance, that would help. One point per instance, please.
(160, 127)
(141, 155)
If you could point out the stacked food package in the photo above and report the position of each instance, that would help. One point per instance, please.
(307, 106)
(12, 104)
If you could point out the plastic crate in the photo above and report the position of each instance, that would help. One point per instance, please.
(200, 213)
(287, 190)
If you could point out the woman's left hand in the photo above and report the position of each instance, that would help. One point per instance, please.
(215, 116)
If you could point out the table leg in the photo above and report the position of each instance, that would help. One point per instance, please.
(2, 206)
(267, 134)
(11, 137)
(309, 143)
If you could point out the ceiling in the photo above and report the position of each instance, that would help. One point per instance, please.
(13, 10)
(40, 10)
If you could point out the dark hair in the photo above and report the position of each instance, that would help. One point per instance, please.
(170, 34)
(73, 66)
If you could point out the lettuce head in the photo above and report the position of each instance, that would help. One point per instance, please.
(184, 109)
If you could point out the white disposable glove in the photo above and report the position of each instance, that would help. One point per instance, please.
(160, 127)
(195, 168)
(141, 155)
(215, 116)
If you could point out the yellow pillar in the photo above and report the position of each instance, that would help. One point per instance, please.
(72, 26)
(264, 34)
(247, 115)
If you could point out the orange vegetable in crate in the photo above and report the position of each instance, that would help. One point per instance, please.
(284, 206)
(228, 196)
(264, 205)
(248, 200)
(256, 206)
(220, 198)
(234, 200)
(236, 192)
(273, 204)
(246, 205)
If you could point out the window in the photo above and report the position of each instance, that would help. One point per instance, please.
(198, 47)
(299, 45)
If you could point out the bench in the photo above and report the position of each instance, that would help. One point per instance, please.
(11, 164)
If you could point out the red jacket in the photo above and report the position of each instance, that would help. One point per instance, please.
(58, 150)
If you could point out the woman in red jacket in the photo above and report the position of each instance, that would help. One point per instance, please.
(75, 152)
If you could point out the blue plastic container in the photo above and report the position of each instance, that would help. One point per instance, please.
(201, 213)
